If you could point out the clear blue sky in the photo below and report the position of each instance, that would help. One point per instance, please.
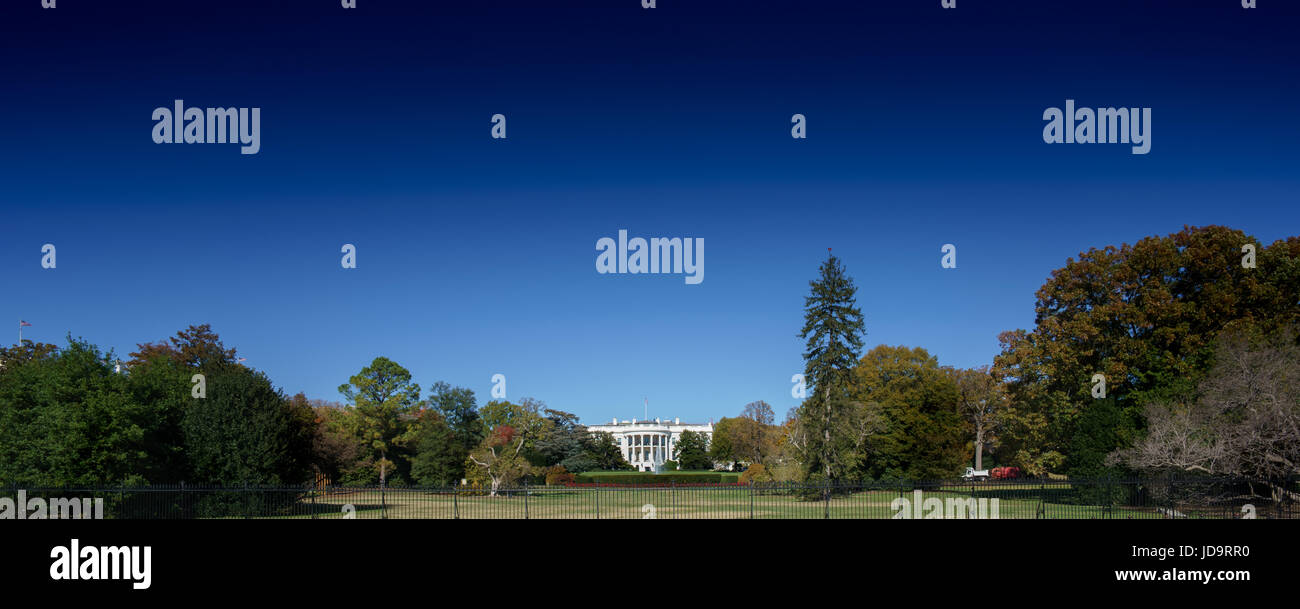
(477, 256)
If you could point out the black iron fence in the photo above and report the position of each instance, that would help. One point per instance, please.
(1168, 498)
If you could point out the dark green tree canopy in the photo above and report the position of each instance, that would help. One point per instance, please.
(692, 451)
(833, 328)
(69, 417)
(246, 431)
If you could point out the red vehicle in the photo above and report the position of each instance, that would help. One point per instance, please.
(1005, 473)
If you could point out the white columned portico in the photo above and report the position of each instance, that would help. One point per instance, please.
(648, 444)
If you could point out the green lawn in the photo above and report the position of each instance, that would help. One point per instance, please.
(690, 502)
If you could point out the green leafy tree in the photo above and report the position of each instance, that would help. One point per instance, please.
(72, 416)
(67, 419)
(565, 442)
(384, 398)
(603, 453)
(459, 409)
(692, 451)
(922, 435)
(1095, 436)
(246, 431)
(163, 385)
(439, 460)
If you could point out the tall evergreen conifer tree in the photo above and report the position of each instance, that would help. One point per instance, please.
(834, 330)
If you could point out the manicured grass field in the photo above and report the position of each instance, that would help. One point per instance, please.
(665, 503)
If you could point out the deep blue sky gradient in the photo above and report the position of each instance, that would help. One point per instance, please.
(476, 256)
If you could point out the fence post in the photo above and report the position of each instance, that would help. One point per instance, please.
(597, 501)
(1170, 484)
(1109, 497)
(751, 500)
(672, 485)
(525, 500)
(383, 501)
(826, 493)
(455, 503)
(315, 488)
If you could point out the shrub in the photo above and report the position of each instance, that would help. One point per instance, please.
(756, 473)
(651, 479)
(557, 475)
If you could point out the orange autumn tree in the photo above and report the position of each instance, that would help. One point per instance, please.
(1146, 316)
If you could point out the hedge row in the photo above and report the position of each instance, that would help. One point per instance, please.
(651, 478)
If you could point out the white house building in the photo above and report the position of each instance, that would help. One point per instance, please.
(647, 444)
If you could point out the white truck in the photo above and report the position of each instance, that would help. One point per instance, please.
(976, 474)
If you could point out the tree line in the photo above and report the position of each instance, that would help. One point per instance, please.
(1169, 355)
(75, 416)
(1175, 354)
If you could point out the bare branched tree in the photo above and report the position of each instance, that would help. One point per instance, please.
(1245, 422)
